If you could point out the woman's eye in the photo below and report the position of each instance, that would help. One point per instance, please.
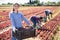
(16, 6)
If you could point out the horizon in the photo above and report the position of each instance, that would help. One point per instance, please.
(25, 1)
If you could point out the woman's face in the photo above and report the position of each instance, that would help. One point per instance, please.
(16, 7)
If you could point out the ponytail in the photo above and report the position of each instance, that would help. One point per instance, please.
(13, 9)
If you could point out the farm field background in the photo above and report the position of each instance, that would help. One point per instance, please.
(5, 23)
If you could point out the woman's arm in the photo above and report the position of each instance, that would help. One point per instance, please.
(12, 21)
(25, 20)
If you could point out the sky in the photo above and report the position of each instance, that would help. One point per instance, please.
(23, 1)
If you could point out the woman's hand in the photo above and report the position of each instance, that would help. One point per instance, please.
(28, 27)
(14, 29)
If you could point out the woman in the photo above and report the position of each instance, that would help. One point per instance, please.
(48, 14)
(36, 21)
(16, 18)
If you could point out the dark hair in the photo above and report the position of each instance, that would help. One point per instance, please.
(41, 17)
(14, 5)
(13, 9)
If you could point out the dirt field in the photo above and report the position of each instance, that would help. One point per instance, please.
(30, 12)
